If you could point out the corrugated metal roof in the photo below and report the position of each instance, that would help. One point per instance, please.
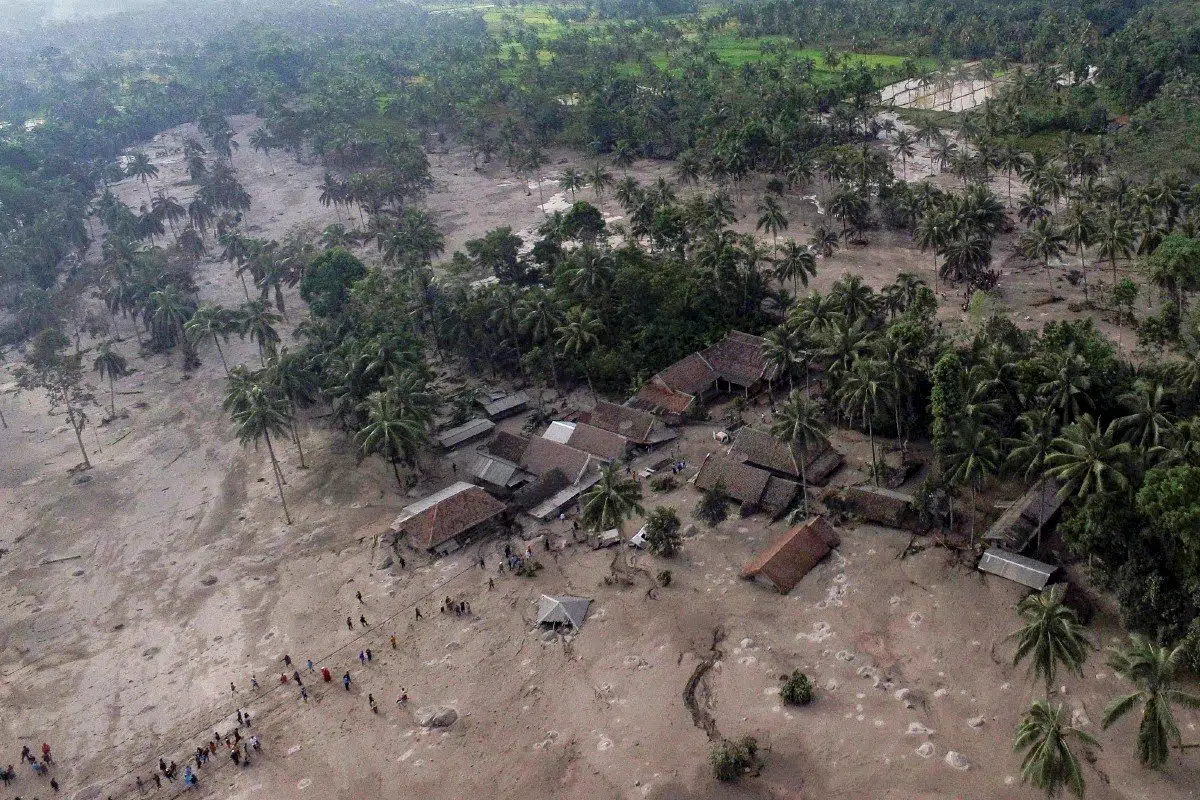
(506, 405)
(1025, 571)
(453, 437)
(495, 471)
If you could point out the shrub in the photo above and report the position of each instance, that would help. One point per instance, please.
(326, 283)
(713, 506)
(797, 690)
(663, 483)
(529, 568)
(664, 578)
(662, 532)
(730, 760)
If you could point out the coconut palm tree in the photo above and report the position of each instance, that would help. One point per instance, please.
(1010, 159)
(1079, 231)
(1049, 763)
(801, 425)
(578, 334)
(393, 430)
(258, 413)
(112, 365)
(1149, 424)
(539, 318)
(933, 234)
(210, 320)
(257, 321)
(1088, 460)
(1030, 450)
(261, 140)
(796, 263)
(772, 220)
(824, 241)
(904, 147)
(865, 390)
(169, 310)
(974, 455)
(600, 179)
(1051, 637)
(1115, 237)
(1042, 242)
(141, 167)
(782, 351)
(612, 500)
(288, 373)
(571, 180)
(1151, 669)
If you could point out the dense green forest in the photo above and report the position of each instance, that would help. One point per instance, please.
(787, 91)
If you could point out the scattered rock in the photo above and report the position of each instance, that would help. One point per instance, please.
(453, 645)
(831, 685)
(689, 531)
(917, 729)
(208, 580)
(436, 716)
(747, 643)
(81, 479)
(386, 563)
(548, 636)
(844, 655)
(77, 573)
(976, 722)
(1079, 717)
(926, 750)
(957, 760)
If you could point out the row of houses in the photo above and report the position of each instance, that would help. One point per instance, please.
(513, 474)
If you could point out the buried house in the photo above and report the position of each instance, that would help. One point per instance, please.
(445, 521)
(790, 557)
(564, 611)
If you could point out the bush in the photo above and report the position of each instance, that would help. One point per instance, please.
(663, 483)
(713, 506)
(326, 283)
(529, 568)
(664, 578)
(662, 532)
(797, 690)
(731, 760)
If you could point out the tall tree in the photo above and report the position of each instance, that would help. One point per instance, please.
(1151, 669)
(394, 430)
(578, 335)
(1049, 763)
(1051, 637)
(112, 365)
(612, 500)
(210, 320)
(141, 167)
(800, 424)
(259, 413)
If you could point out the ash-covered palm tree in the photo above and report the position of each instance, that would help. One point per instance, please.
(141, 167)
(600, 179)
(904, 148)
(974, 456)
(257, 414)
(288, 373)
(1051, 638)
(262, 141)
(1049, 763)
(1043, 242)
(801, 424)
(210, 320)
(1030, 451)
(111, 365)
(612, 500)
(782, 350)
(1115, 238)
(1088, 460)
(571, 180)
(1149, 423)
(864, 391)
(394, 430)
(772, 220)
(257, 321)
(578, 334)
(795, 263)
(1151, 669)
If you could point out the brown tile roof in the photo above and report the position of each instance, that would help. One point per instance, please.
(762, 449)
(877, 504)
(792, 555)
(543, 455)
(508, 446)
(742, 482)
(738, 358)
(779, 494)
(451, 517)
(691, 375)
(599, 442)
(653, 396)
(631, 423)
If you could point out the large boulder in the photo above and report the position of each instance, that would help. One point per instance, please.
(436, 716)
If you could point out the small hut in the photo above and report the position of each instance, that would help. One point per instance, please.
(563, 611)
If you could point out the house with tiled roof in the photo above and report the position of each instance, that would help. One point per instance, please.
(793, 555)
(636, 425)
(760, 448)
(445, 521)
(747, 484)
(733, 364)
